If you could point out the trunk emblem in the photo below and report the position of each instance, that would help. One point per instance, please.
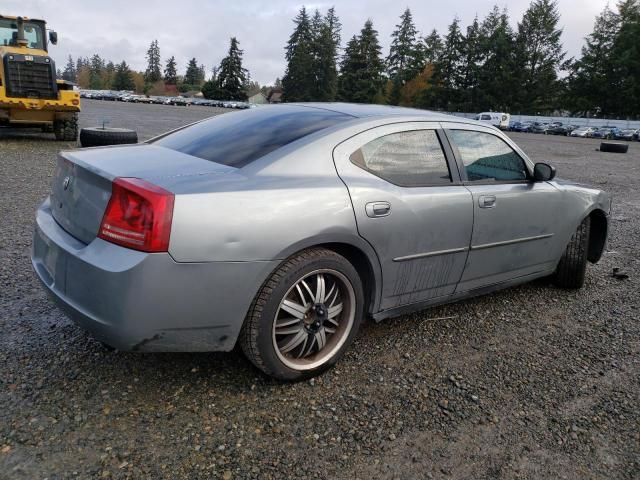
(66, 182)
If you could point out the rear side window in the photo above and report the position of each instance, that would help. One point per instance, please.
(485, 117)
(237, 139)
(408, 159)
(487, 157)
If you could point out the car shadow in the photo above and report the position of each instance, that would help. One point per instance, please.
(153, 375)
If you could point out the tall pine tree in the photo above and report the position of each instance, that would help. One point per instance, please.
(496, 82)
(362, 68)
(539, 53)
(626, 60)
(123, 78)
(153, 72)
(299, 82)
(432, 48)
(326, 41)
(192, 75)
(449, 72)
(232, 76)
(405, 56)
(171, 72)
(69, 72)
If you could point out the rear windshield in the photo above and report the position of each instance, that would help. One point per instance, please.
(237, 139)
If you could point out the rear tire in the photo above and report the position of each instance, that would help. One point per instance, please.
(101, 137)
(572, 267)
(327, 292)
(66, 130)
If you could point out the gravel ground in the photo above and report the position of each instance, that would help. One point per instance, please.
(531, 382)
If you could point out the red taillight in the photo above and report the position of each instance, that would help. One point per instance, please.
(138, 215)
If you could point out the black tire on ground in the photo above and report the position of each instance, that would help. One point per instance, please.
(257, 338)
(614, 147)
(572, 267)
(66, 130)
(101, 137)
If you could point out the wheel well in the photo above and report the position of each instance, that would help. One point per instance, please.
(597, 235)
(361, 262)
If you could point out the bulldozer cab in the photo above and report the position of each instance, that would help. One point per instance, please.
(20, 33)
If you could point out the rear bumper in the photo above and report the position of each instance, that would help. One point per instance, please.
(145, 302)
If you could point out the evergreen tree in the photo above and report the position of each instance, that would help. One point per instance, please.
(193, 73)
(107, 74)
(153, 72)
(432, 48)
(326, 41)
(496, 81)
(170, 72)
(232, 76)
(299, 83)
(405, 56)
(626, 60)
(449, 70)
(472, 57)
(538, 56)
(123, 78)
(362, 68)
(96, 65)
(69, 72)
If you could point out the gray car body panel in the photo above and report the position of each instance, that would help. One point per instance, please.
(232, 227)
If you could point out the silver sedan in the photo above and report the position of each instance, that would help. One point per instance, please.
(280, 228)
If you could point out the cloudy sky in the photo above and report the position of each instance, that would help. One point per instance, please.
(123, 29)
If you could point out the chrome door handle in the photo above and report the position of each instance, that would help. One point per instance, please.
(487, 201)
(377, 209)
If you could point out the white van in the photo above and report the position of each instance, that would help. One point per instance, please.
(497, 119)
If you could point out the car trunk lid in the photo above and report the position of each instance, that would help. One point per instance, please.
(82, 181)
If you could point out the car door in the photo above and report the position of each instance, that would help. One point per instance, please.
(515, 218)
(410, 205)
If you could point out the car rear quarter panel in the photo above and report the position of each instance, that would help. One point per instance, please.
(260, 213)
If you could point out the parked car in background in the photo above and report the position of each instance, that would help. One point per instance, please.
(520, 126)
(560, 129)
(629, 134)
(497, 119)
(584, 132)
(538, 127)
(605, 133)
(270, 227)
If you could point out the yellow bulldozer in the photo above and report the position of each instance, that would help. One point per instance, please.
(30, 94)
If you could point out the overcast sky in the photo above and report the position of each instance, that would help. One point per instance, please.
(123, 29)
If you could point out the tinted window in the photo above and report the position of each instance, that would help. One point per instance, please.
(237, 139)
(406, 158)
(485, 117)
(487, 157)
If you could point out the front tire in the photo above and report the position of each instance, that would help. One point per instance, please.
(66, 130)
(572, 267)
(304, 317)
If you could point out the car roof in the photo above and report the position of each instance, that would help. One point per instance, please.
(359, 110)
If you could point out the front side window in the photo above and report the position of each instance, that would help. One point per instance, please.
(487, 157)
(33, 33)
(408, 159)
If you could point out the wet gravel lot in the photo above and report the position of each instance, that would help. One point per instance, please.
(531, 382)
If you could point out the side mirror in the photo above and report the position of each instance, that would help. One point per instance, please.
(543, 172)
(53, 37)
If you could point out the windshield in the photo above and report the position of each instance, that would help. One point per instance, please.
(33, 33)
